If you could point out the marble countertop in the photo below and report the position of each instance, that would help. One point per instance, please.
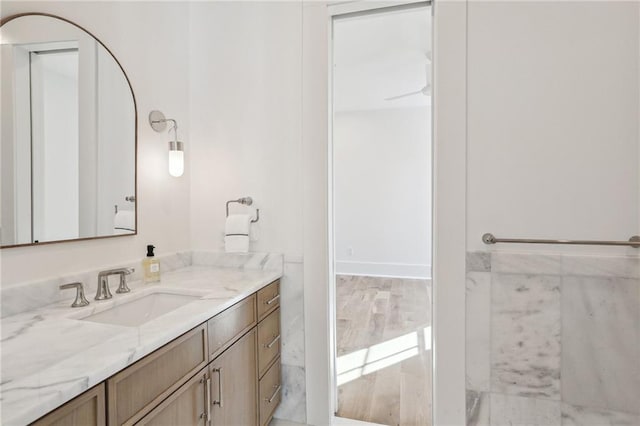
(49, 355)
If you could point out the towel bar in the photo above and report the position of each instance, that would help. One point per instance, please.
(634, 241)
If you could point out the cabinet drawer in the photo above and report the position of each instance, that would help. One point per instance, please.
(87, 409)
(268, 299)
(137, 389)
(268, 341)
(270, 393)
(230, 324)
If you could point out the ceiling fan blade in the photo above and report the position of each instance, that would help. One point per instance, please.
(417, 92)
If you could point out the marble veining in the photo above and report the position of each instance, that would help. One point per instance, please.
(519, 411)
(599, 266)
(169, 262)
(50, 356)
(478, 408)
(573, 415)
(525, 335)
(601, 351)
(32, 295)
(28, 296)
(562, 327)
(519, 263)
(478, 261)
(293, 406)
(292, 315)
(263, 261)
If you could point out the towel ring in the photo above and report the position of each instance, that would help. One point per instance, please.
(247, 201)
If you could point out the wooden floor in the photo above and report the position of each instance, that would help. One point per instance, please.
(383, 348)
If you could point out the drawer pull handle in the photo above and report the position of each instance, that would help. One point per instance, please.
(208, 389)
(273, 342)
(219, 401)
(275, 393)
(273, 299)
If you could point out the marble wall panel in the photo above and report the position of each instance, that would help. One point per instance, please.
(600, 348)
(509, 410)
(293, 406)
(573, 415)
(478, 331)
(525, 335)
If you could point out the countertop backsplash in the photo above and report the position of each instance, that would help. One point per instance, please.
(28, 296)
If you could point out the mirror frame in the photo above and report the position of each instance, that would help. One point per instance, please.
(135, 147)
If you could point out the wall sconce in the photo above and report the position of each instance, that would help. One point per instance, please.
(176, 148)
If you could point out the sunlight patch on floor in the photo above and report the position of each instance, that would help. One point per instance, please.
(369, 360)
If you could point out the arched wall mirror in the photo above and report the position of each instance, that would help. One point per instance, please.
(69, 135)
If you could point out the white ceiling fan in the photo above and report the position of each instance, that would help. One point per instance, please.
(425, 91)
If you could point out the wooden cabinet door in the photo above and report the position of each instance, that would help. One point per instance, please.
(186, 407)
(87, 409)
(234, 384)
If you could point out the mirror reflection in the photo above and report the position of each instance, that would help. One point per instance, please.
(68, 147)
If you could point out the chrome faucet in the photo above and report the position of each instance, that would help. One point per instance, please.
(80, 299)
(103, 291)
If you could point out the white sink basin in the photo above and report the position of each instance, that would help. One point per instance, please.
(142, 310)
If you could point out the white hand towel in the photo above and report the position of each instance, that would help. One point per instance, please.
(236, 243)
(236, 231)
(124, 222)
(237, 224)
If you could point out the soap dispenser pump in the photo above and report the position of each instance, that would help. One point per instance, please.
(151, 266)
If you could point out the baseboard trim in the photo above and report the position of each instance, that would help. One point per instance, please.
(394, 270)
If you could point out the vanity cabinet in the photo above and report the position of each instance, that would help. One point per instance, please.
(224, 372)
(87, 409)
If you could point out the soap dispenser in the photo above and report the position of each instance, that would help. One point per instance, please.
(151, 266)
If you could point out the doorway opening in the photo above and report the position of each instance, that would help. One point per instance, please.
(381, 206)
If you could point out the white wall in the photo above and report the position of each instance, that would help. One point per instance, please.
(150, 41)
(553, 122)
(245, 77)
(382, 192)
(317, 291)
(246, 120)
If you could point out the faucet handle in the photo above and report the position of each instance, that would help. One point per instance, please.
(80, 299)
(123, 288)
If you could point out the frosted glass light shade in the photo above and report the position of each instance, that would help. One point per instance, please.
(176, 159)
